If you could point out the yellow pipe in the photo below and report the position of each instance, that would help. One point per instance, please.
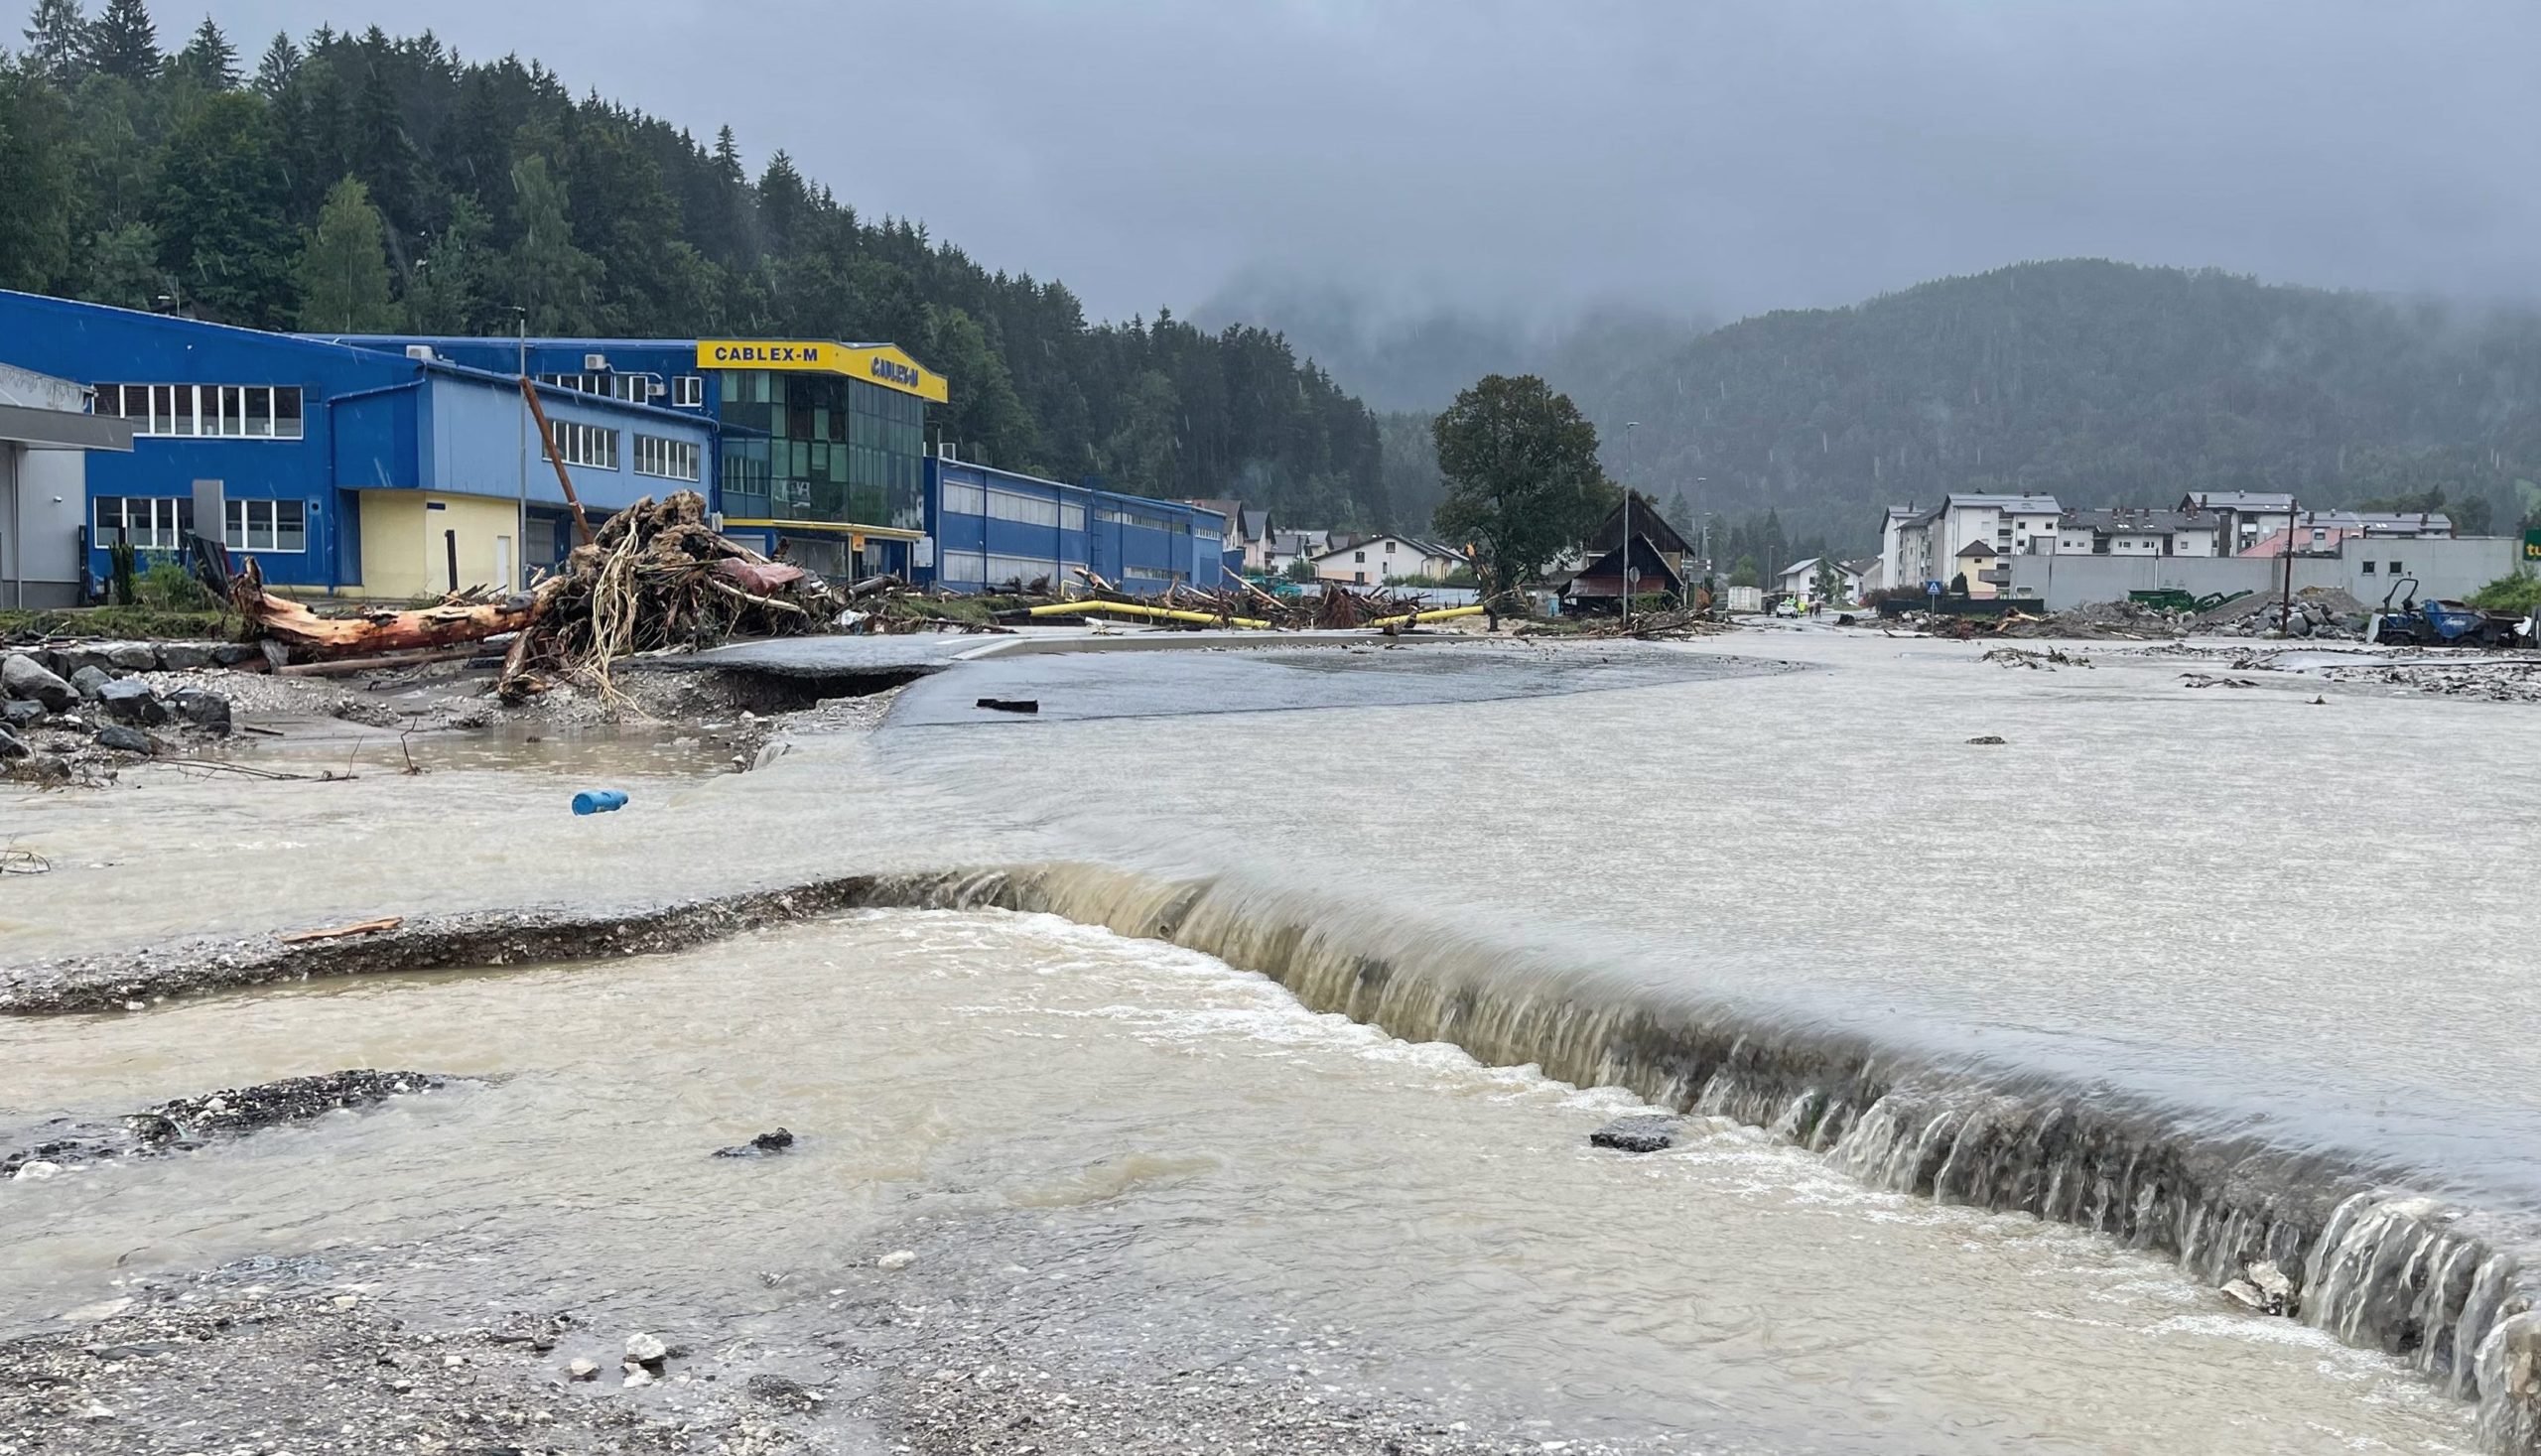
(1073, 608)
(1438, 615)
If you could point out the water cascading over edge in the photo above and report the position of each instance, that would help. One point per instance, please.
(2436, 1285)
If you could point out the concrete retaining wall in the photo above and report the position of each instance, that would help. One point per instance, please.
(2442, 568)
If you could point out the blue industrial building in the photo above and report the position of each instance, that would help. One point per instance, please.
(823, 452)
(821, 444)
(388, 466)
(359, 471)
(992, 528)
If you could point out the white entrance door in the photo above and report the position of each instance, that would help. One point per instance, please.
(505, 578)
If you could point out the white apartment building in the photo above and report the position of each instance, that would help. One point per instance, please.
(1929, 543)
(2128, 531)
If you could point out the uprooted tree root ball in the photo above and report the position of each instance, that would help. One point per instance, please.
(656, 576)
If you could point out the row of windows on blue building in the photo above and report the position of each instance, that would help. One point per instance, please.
(384, 465)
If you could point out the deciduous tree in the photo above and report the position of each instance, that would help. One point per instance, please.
(343, 271)
(1522, 480)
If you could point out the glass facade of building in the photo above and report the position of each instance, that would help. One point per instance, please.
(813, 446)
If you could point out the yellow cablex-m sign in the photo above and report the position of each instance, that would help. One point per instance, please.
(875, 364)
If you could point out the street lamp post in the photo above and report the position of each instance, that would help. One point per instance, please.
(1625, 547)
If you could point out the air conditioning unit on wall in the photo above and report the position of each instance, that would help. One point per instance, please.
(596, 363)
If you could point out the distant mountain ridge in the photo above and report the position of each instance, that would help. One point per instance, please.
(2099, 382)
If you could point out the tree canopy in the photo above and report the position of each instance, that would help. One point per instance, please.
(145, 179)
(1522, 480)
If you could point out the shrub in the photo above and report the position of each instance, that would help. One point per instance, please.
(2517, 591)
(167, 587)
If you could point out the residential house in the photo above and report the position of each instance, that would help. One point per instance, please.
(1284, 549)
(1378, 559)
(2131, 531)
(1932, 542)
(1247, 532)
(2320, 532)
(1892, 530)
(1800, 578)
(1981, 564)
(1867, 576)
(1599, 586)
(2244, 517)
(1646, 522)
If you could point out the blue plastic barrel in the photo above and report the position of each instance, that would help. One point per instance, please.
(599, 801)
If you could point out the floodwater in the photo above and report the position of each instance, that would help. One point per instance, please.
(1737, 1293)
(2255, 916)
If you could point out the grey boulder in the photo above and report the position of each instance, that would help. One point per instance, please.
(127, 739)
(130, 700)
(184, 656)
(132, 656)
(20, 712)
(89, 680)
(12, 746)
(22, 676)
(202, 709)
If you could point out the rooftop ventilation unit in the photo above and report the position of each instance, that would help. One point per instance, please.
(421, 354)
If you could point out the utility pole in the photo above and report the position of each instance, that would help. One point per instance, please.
(520, 527)
(1626, 559)
(2285, 605)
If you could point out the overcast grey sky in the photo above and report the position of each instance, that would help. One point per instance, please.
(1526, 157)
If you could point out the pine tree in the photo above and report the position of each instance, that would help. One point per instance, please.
(125, 42)
(280, 63)
(555, 280)
(343, 271)
(121, 267)
(37, 184)
(219, 218)
(56, 41)
(209, 59)
(446, 296)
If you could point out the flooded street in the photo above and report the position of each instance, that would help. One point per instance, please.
(1916, 989)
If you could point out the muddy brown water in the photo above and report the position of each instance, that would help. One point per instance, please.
(2177, 898)
(953, 1064)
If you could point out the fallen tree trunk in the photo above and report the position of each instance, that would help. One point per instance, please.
(371, 633)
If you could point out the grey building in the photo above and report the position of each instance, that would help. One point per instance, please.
(46, 434)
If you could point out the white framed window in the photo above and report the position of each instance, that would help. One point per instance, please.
(963, 500)
(149, 522)
(579, 444)
(967, 567)
(1030, 510)
(265, 525)
(1026, 568)
(688, 391)
(218, 411)
(1071, 517)
(671, 459)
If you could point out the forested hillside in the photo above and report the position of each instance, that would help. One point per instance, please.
(185, 175)
(2099, 382)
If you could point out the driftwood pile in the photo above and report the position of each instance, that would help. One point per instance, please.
(656, 576)
(1333, 605)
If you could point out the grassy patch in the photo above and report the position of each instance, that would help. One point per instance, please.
(137, 624)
